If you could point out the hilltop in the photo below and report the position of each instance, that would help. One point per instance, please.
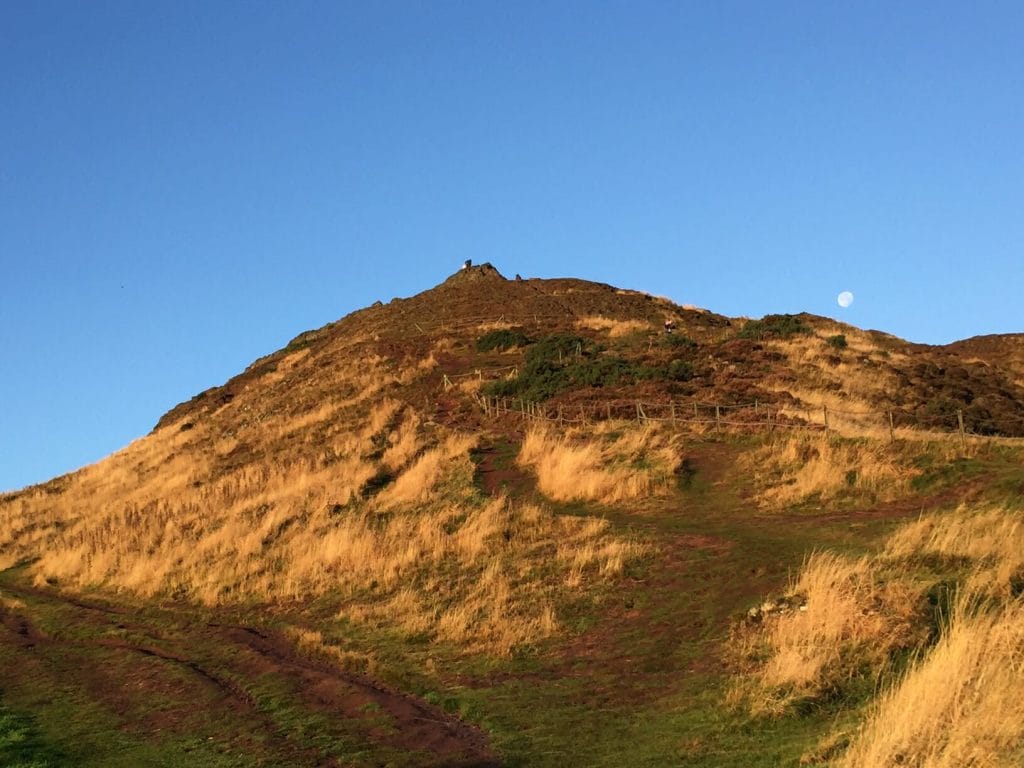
(522, 521)
(801, 361)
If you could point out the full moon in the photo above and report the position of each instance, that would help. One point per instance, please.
(845, 299)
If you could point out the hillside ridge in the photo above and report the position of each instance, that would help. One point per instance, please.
(731, 360)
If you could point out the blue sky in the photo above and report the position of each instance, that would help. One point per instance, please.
(184, 186)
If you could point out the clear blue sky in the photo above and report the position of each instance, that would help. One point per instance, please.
(184, 186)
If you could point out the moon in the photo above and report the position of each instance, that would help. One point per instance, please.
(845, 299)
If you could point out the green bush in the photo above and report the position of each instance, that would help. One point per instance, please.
(679, 370)
(504, 338)
(560, 347)
(563, 361)
(678, 341)
(838, 341)
(773, 326)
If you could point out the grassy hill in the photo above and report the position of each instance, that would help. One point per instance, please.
(516, 522)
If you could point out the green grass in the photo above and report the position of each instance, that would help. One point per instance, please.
(21, 744)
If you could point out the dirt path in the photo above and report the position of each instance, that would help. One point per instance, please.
(238, 674)
(714, 553)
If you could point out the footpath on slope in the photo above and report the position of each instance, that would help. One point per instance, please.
(169, 673)
(643, 671)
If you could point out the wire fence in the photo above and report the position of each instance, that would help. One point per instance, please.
(893, 422)
(755, 416)
(484, 323)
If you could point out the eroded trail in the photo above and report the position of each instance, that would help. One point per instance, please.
(190, 684)
(643, 671)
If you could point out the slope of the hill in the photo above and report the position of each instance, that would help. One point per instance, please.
(366, 522)
(1004, 350)
(275, 484)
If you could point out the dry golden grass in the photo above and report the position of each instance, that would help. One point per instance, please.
(961, 705)
(353, 497)
(286, 366)
(469, 385)
(418, 482)
(992, 539)
(619, 466)
(494, 325)
(837, 616)
(853, 383)
(796, 467)
(504, 565)
(11, 603)
(615, 328)
(403, 443)
(313, 643)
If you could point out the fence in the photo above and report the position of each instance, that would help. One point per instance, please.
(506, 372)
(892, 422)
(739, 417)
(427, 327)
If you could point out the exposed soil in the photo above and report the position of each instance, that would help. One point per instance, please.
(497, 473)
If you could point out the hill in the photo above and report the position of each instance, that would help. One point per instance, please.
(505, 522)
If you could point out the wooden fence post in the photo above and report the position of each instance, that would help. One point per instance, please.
(960, 422)
(559, 417)
(824, 412)
(718, 419)
(892, 431)
(695, 414)
(672, 406)
(609, 411)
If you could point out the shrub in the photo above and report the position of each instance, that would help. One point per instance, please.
(838, 341)
(558, 347)
(503, 338)
(563, 361)
(680, 370)
(773, 326)
(542, 379)
(678, 341)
